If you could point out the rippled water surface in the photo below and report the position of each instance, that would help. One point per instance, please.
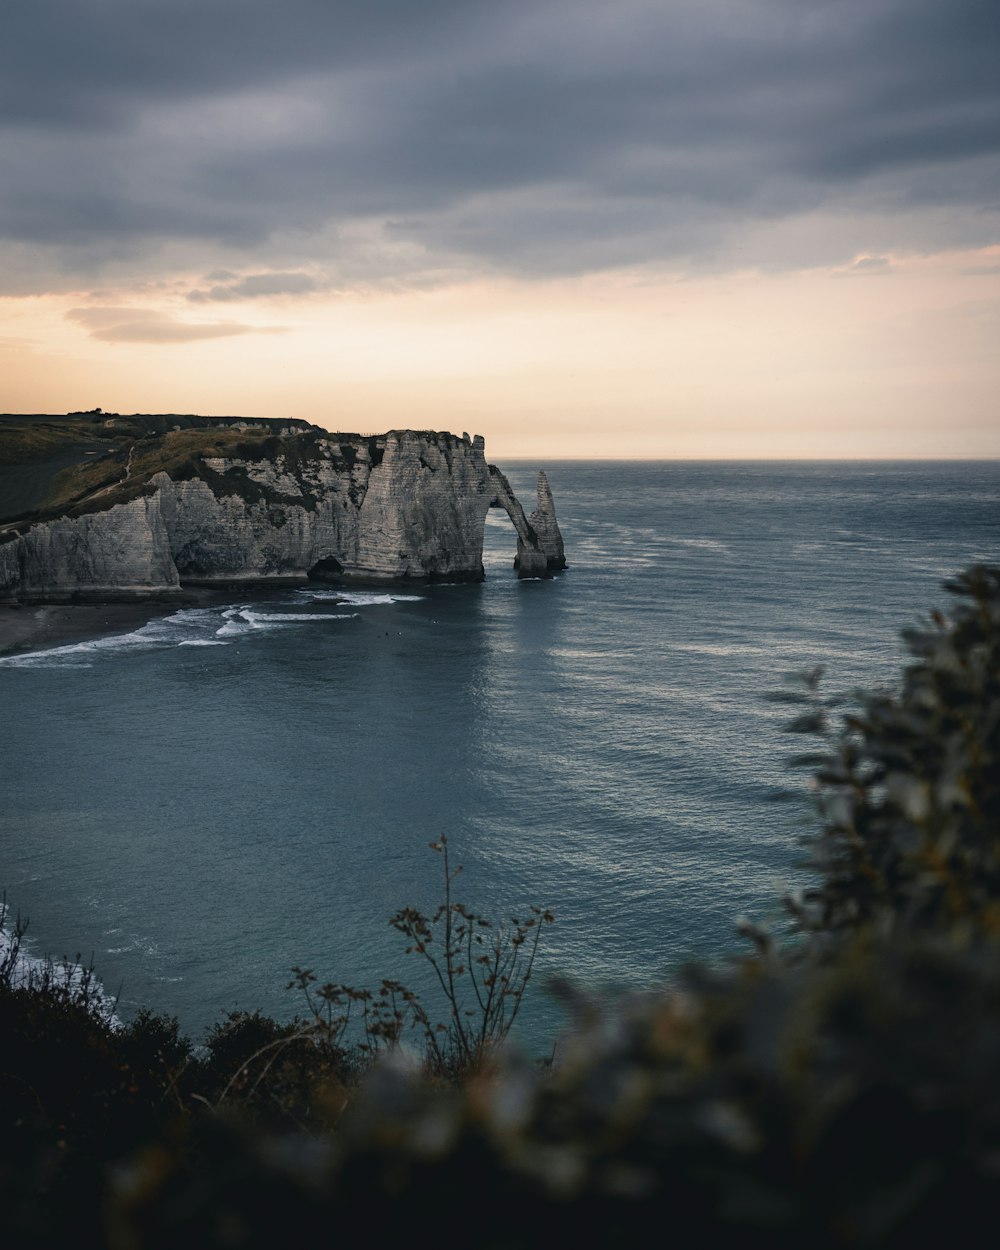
(229, 791)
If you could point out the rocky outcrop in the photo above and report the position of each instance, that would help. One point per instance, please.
(306, 503)
(539, 542)
(543, 522)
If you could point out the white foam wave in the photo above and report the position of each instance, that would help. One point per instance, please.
(135, 942)
(189, 627)
(165, 631)
(293, 618)
(24, 965)
(234, 623)
(359, 598)
(245, 620)
(86, 652)
(29, 970)
(700, 544)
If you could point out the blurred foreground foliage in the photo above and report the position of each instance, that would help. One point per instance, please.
(841, 1091)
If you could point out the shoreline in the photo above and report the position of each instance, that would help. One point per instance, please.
(40, 627)
(26, 627)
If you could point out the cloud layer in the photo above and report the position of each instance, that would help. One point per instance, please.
(320, 143)
(148, 325)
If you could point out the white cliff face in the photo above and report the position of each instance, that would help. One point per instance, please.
(226, 538)
(424, 509)
(121, 552)
(407, 504)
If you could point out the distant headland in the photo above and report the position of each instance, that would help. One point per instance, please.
(100, 507)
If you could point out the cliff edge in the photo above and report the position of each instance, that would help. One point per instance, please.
(97, 506)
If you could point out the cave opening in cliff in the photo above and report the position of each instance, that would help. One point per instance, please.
(325, 570)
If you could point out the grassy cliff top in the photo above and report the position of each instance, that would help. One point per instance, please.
(57, 465)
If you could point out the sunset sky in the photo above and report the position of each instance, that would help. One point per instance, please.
(652, 228)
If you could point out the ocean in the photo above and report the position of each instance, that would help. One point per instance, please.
(231, 791)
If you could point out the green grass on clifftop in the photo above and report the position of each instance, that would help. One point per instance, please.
(54, 466)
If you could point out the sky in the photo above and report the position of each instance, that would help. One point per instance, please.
(648, 228)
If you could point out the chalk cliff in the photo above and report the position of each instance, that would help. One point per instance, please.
(229, 503)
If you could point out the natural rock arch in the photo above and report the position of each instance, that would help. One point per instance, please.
(539, 542)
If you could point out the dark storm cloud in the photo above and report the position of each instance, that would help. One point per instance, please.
(529, 135)
(89, 63)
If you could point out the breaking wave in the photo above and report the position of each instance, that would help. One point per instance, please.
(190, 627)
(246, 620)
(25, 969)
(358, 598)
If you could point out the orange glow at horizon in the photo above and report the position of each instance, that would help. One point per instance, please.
(894, 361)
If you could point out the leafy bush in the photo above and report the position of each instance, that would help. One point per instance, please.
(272, 1074)
(909, 786)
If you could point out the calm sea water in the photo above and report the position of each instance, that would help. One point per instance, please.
(231, 791)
